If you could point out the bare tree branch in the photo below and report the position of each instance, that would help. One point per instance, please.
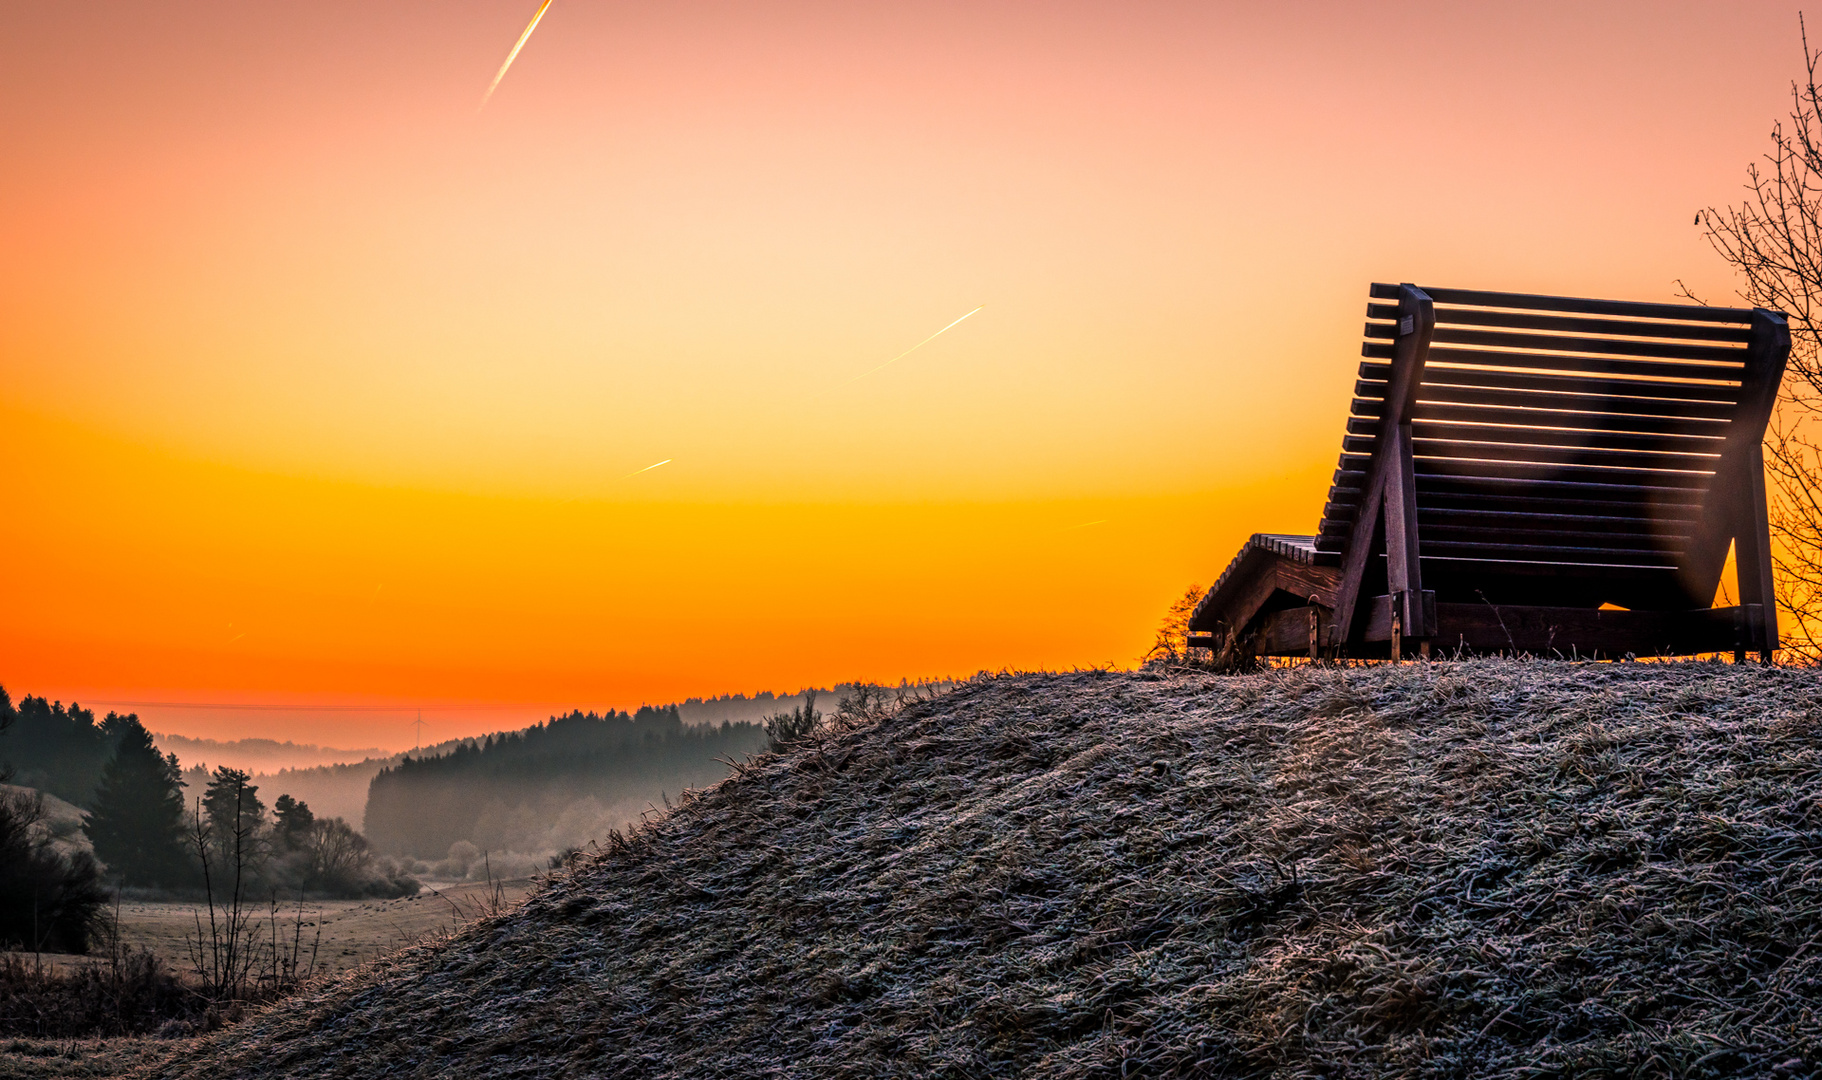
(1773, 238)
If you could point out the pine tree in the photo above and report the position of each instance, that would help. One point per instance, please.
(294, 821)
(236, 825)
(137, 824)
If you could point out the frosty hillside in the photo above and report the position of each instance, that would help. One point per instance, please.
(1492, 868)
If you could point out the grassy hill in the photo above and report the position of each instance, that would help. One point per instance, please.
(1485, 869)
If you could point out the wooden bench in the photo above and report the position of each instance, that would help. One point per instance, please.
(1530, 474)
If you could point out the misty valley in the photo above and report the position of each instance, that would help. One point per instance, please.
(500, 807)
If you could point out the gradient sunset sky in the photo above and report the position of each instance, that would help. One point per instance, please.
(321, 386)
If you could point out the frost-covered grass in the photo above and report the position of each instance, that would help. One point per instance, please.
(1474, 869)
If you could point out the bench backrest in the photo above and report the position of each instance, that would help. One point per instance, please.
(1566, 451)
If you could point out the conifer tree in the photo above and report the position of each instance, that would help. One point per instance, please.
(236, 819)
(293, 822)
(137, 823)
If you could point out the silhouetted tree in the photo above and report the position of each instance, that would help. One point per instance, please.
(236, 820)
(339, 856)
(49, 899)
(292, 823)
(57, 750)
(1172, 643)
(1774, 239)
(137, 822)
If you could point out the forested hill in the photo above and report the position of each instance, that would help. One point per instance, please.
(492, 792)
(1489, 869)
(60, 751)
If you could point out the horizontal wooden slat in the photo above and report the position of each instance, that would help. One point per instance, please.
(1552, 383)
(1566, 496)
(1579, 365)
(1562, 556)
(1641, 534)
(1287, 632)
(1647, 513)
(1366, 427)
(1441, 474)
(1501, 413)
(1459, 454)
(1583, 385)
(1452, 570)
(1460, 507)
(1456, 457)
(1436, 533)
(1655, 337)
(1623, 521)
(1598, 346)
(1585, 632)
(1569, 324)
(1577, 305)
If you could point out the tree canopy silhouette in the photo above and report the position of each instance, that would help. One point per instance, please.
(137, 820)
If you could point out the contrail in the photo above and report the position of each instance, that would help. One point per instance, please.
(648, 468)
(513, 55)
(911, 350)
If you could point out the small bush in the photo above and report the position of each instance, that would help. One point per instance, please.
(132, 995)
(788, 728)
(1172, 643)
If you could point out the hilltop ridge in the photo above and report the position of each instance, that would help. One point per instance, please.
(1487, 869)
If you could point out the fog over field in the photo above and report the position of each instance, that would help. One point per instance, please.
(259, 755)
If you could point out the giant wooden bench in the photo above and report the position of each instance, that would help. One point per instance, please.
(1530, 474)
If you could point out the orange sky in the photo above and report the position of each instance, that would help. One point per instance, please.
(318, 386)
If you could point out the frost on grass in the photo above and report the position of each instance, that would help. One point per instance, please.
(1475, 869)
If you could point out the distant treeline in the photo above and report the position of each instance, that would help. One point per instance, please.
(422, 806)
(148, 827)
(257, 755)
(58, 750)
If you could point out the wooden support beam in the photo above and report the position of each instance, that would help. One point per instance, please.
(1585, 632)
(1767, 353)
(1732, 513)
(1416, 323)
(1379, 618)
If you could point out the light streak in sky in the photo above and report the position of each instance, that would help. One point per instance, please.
(513, 55)
(648, 468)
(911, 350)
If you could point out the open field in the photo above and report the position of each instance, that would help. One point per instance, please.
(42, 1059)
(352, 932)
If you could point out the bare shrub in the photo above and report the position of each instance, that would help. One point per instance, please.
(1773, 238)
(786, 729)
